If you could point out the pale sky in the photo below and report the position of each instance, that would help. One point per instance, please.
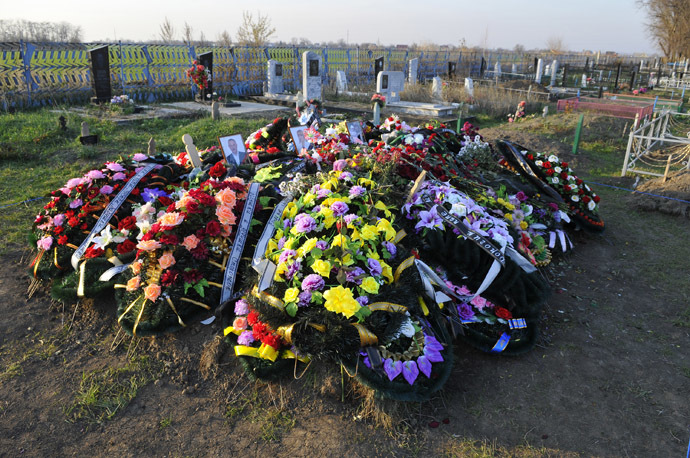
(596, 25)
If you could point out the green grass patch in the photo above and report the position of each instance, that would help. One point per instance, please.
(470, 448)
(103, 393)
(36, 347)
(274, 420)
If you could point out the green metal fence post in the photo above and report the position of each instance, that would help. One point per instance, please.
(578, 131)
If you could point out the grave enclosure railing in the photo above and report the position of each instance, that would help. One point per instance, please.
(35, 74)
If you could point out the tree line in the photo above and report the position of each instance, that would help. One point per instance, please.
(669, 25)
(21, 29)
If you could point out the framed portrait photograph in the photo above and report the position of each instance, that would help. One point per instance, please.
(354, 128)
(233, 148)
(297, 134)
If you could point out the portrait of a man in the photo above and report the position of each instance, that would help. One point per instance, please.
(233, 149)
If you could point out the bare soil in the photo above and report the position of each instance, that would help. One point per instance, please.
(609, 377)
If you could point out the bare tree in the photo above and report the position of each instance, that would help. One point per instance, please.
(518, 48)
(669, 25)
(202, 39)
(187, 32)
(224, 39)
(21, 29)
(167, 31)
(254, 32)
(555, 45)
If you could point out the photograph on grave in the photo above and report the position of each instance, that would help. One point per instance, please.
(233, 148)
(313, 68)
(100, 74)
(297, 134)
(354, 128)
(384, 82)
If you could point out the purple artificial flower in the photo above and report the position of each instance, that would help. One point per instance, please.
(357, 191)
(339, 165)
(424, 366)
(285, 255)
(75, 203)
(246, 338)
(410, 371)
(363, 301)
(391, 248)
(59, 219)
(432, 342)
(293, 269)
(304, 223)
(95, 175)
(139, 157)
(114, 167)
(429, 219)
(106, 189)
(119, 176)
(353, 274)
(151, 194)
(322, 245)
(339, 208)
(433, 355)
(521, 196)
(287, 224)
(465, 311)
(304, 299)
(313, 282)
(374, 267)
(392, 368)
(322, 193)
(241, 307)
(350, 218)
(281, 243)
(346, 176)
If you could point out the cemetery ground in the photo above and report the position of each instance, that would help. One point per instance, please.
(610, 375)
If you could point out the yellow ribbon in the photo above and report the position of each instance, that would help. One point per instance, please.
(115, 261)
(82, 274)
(285, 332)
(399, 236)
(231, 329)
(366, 337)
(267, 352)
(387, 307)
(270, 300)
(129, 307)
(37, 261)
(136, 322)
(172, 306)
(55, 261)
(423, 306)
(200, 304)
(401, 268)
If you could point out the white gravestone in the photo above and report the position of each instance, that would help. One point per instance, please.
(391, 84)
(340, 81)
(539, 71)
(275, 77)
(583, 83)
(413, 71)
(469, 87)
(497, 70)
(311, 75)
(437, 88)
(554, 72)
(513, 69)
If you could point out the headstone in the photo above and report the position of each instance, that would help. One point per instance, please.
(583, 83)
(497, 70)
(100, 74)
(513, 69)
(378, 66)
(413, 70)
(311, 75)
(482, 68)
(191, 150)
(437, 89)
(84, 129)
(451, 69)
(86, 138)
(618, 76)
(641, 64)
(547, 69)
(275, 77)
(151, 147)
(391, 84)
(215, 111)
(633, 78)
(469, 87)
(554, 72)
(206, 59)
(340, 81)
(545, 111)
(539, 72)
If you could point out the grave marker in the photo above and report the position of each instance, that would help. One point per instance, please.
(554, 72)
(206, 59)
(469, 86)
(191, 150)
(215, 111)
(340, 81)
(539, 71)
(497, 70)
(565, 75)
(513, 69)
(391, 84)
(482, 67)
(451, 70)
(583, 83)
(311, 75)
(151, 151)
(413, 71)
(100, 74)
(378, 66)
(275, 77)
(437, 88)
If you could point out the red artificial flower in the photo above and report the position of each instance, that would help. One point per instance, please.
(126, 247)
(192, 276)
(596, 199)
(213, 228)
(530, 157)
(564, 164)
(135, 192)
(580, 191)
(549, 172)
(169, 277)
(171, 208)
(192, 207)
(218, 170)
(252, 318)
(62, 240)
(564, 175)
(165, 200)
(84, 227)
(127, 223)
(58, 230)
(503, 313)
(92, 252)
(586, 199)
(73, 222)
(272, 150)
(567, 188)
(200, 252)
(92, 193)
(578, 181)
(170, 239)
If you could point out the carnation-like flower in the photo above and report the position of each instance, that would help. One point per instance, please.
(341, 300)
(370, 285)
(303, 224)
(339, 208)
(45, 242)
(246, 338)
(241, 307)
(313, 282)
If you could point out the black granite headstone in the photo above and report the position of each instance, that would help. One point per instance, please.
(451, 69)
(378, 67)
(206, 59)
(482, 67)
(100, 75)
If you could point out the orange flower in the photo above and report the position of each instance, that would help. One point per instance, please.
(133, 283)
(190, 242)
(166, 260)
(152, 292)
(148, 245)
(136, 267)
(171, 219)
(225, 230)
(225, 214)
(227, 197)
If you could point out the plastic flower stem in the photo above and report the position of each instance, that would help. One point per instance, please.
(342, 384)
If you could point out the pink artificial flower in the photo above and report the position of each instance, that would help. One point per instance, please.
(106, 189)
(114, 167)
(139, 157)
(119, 176)
(76, 203)
(95, 175)
(167, 260)
(190, 242)
(45, 243)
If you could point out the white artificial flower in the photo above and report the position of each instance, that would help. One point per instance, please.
(458, 209)
(407, 329)
(554, 180)
(575, 198)
(553, 158)
(558, 169)
(538, 163)
(418, 138)
(591, 205)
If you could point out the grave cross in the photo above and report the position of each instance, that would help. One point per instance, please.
(191, 150)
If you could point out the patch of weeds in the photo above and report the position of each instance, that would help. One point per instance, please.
(274, 423)
(686, 371)
(274, 420)
(683, 319)
(471, 448)
(104, 392)
(40, 347)
(164, 423)
(12, 371)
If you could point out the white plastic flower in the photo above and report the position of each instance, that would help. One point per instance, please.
(554, 180)
(538, 163)
(591, 205)
(458, 209)
(557, 169)
(575, 198)
(553, 158)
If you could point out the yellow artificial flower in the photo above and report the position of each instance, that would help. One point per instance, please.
(339, 240)
(373, 255)
(331, 200)
(340, 300)
(523, 225)
(290, 210)
(385, 226)
(381, 206)
(272, 250)
(291, 295)
(322, 268)
(366, 182)
(280, 270)
(309, 245)
(369, 232)
(290, 243)
(387, 271)
(308, 198)
(346, 260)
(370, 285)
(328, 218)
(508, 216)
